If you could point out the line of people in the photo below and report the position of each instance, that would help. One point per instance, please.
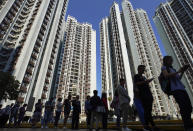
(96, 108)
(143, 98)
(12, 113)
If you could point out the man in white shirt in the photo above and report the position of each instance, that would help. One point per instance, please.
(124, 101)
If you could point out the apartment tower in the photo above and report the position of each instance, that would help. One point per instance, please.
(141, 47)
(114, 52)
(174, 21)
(31, 31)
(106, 67)
(77, 73)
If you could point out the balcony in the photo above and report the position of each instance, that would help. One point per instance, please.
(45, 88)
(20, 99)
(23, 89)
(47, 81)
(18, 3)
(10, 16)
(34, 55)
(60, 88)
(49, 73)
(29, 70)
(26, 79)
(38, 43)
(44, 96)
(9, 44)
(40, 37)
(50, 67)
(15, 7)
(6, 22)
(51, 61)
(37, 49)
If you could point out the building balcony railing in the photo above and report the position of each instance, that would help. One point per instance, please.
(26, 79)
(20, 99)
(36, 48)
(30, 70)
(50, 67)
(48, 73)
(47, 81)
(23, 89)
(45, 88)
(44, 96)
(38, 42)
(34, 55)
(51, 61)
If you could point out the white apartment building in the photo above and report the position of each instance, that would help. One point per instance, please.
(127, 40)
(31, 31)
(77, 75)
(106, 68)
(114, 52)
(143, 47)
(174, 21)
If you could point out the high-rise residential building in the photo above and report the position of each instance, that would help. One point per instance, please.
(77, 72)
(174, 21)
(31, 31)
(113, 46)
(141, 47)
(106, 68)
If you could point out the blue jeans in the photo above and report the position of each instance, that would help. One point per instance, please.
(140, 110)
(47, 118)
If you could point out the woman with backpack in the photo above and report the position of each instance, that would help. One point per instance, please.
(178, 91)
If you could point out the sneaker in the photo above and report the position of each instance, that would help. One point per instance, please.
(64, 127)
(42, 126)
(46, 127)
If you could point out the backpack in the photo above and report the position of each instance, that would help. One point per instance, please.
(165, 83)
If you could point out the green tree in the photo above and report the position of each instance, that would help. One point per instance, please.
(9, 86)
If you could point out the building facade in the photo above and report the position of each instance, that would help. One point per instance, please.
(31, 31)
(77, 73)
(133, 29)
(105, 51)
(112, 42)
(174, 21)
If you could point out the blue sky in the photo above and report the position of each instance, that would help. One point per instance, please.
(92, 11)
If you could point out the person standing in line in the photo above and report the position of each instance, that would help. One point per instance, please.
(37, 113)
(52, 118)
(22, 111)
(76, 112)
(15, 112)
(47, 113)
(58, 112)
(88, 111)
(67, 109)
(105, 114)
(5, 116)
(124, 101)
(95, 101)
(178, 90)
(11, 115)
(116, 106)
(145, 96)
(138, 104)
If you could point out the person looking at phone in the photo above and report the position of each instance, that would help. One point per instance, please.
(178, 90)
(145, 95)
